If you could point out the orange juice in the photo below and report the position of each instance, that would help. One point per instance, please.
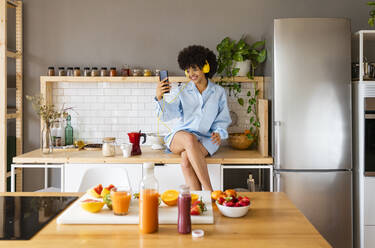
(120, 202)
(148, 211)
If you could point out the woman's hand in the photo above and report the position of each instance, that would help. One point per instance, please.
(216, 139)
(162, 87)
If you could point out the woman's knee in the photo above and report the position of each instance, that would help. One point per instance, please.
(190, 140)
(185, 160)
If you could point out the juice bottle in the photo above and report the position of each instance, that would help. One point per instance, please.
(148, 201)
(184, 203)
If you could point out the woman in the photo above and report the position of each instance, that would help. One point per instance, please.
(203, 111)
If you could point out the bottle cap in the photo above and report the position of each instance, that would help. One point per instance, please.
(197, 233)
(148, 165)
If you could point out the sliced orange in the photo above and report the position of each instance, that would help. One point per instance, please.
(92, 206)
(216, 194)
(194, 198)
(230, 192)
(170, 197)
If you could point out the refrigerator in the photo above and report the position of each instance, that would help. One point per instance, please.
(312, 134)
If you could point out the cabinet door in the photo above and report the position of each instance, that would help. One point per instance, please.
(75, 172)
(170, 176)
(369, 236)
(369, 201)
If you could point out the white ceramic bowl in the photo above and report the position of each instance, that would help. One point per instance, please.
(233, 212)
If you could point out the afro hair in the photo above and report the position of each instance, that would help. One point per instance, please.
(195, 55)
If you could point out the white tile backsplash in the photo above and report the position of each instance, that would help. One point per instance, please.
(114, 109)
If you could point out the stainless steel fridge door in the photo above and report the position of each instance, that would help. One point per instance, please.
(325, 199)
(312, 93)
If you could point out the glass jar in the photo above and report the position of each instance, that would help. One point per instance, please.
(125, 71)
(77, 71)
(51, 71)
(137, 72)
(103, 72)
(86, 71)
(109, 147)
(147, 73)
(62, 71)
(112, 72)
(69, 71)
(94, 72)
(157, 72)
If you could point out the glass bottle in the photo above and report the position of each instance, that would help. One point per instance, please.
(103, 72)
(86, 72)
(51, 71)
(112, 72)
(94, 72)
(62, 71)
(68, 131)
(77, 71)
(184, 203)
(69, 71)
(148, 201)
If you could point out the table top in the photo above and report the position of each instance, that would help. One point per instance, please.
(273, 221)
(225, 155)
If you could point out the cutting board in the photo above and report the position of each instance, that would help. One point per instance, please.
(167, 215)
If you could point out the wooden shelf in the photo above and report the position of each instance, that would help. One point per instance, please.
(16, 171)
(12, 116)
(14, 55)
(137, 79)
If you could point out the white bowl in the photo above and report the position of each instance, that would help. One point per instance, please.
(233, 212)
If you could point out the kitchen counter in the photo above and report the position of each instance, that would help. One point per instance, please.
(225, 155)
(273, 221)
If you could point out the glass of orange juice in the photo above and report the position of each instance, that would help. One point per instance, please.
(121, 197)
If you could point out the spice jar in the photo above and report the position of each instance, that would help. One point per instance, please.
(94, 72)
(51, 71)
(86, 72)
(137, 72)
(103, 72)
(77, 71)
(157, 72)
(69, 71)
(147, 73)
(125, 71)
(112, 72)
(62, 71)
(109, 147)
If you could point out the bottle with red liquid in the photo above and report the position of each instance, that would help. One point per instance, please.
(184, 204)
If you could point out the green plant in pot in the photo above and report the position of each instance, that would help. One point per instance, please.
(371, 19)
(231, 52)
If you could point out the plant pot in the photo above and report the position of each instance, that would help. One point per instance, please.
(239, 141)
(244, 67)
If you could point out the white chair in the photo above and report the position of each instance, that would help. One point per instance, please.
(105, 176)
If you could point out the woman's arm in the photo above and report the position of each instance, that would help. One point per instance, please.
(222, 120)
(167, 110)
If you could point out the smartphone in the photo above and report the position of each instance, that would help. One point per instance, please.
(162, 75)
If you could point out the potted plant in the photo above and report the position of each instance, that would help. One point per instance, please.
(49, 116)
(231, 52)
(371, 19)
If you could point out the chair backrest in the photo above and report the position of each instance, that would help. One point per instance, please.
(105, 176)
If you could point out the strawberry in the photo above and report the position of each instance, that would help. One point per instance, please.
(221, 200)
(110, 187)
(239, 198)
(243, 202)
(246, 198)
(200, 204)
(237, 204)
(195, 210)
(229, 204)
(98, 189)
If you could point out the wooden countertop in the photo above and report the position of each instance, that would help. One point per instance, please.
(225, 155)
(273, 221)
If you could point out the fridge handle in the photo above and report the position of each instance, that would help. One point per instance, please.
(277, 125)
(277, 182)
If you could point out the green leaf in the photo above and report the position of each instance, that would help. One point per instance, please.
(262, 56)
(235, 71)
(258, 44)
(256, 92)
(249, 75)
(248, 93)
(371, 3)
(249, 110)
(252, 119)
(257, 124)
(240, 101)
(237, 57)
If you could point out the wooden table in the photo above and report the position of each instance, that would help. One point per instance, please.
(273, 221)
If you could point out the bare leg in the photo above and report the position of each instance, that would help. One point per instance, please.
(184, 141)
(191, 178)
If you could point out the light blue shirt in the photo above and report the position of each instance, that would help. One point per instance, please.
(200, 114)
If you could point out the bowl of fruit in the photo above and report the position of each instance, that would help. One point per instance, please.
(229, 204)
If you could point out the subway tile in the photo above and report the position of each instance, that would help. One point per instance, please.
(117, 99)
(124, 92)
(110, 92)
(138, 92)
(146, 85)
(124, 106)
(131, 99)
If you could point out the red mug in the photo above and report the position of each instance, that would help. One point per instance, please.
(135, 138)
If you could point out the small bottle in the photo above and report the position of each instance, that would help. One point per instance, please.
(68, 131)
(86, 72)
(251, 183)
(69, 71)
(148, 201)
(125, 71)
(147, 73)
(62, 71)
(184, 203)
(61, 132)
(103, 72)
(51, 71)
(77, 72)
(112, 72)
(94, 72)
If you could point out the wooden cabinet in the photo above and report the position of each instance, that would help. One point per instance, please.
(74, 174)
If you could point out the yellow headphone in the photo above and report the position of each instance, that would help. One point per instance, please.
(205, 69)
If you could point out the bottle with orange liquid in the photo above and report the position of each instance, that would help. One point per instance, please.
(148, 201)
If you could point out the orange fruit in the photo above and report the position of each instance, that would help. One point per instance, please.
(216, 194)
(170, 197)
(194, 198)
(92, 206)
(247, 131)
(230, 192)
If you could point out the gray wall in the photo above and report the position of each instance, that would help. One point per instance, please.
(147, 34)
